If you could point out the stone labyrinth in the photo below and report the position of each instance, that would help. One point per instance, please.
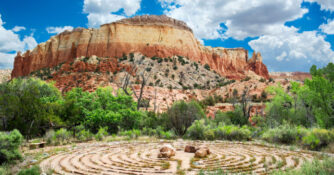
(141, 158)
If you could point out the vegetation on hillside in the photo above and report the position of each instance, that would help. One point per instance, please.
(301, 115)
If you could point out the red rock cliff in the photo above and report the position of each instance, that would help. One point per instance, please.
(151, 35)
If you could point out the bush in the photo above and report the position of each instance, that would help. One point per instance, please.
(149, 131)
(231, 132)
(166, 135)
(318, 138)
(9, 146)
(35, 170)
(50, 136)
(84, 135)
(181, 115)
(323, 167)
(131, 134)
(101, 134)
(196, 130)
(236, 117)
(286, 134)
(207, 67)
(222, 117)
(62, 136)
(30, 105)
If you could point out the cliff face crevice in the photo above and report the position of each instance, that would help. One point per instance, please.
(159, 36)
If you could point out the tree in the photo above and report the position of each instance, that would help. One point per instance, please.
(30, 105)
(181, 115)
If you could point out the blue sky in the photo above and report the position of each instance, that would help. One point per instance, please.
(291, 35)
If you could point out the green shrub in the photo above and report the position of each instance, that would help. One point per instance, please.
(323, 167)
(131, 134)
(286, 134)
(181, 115)
(149, 131)
(209, 134)
(207, 67)
(246, 79)
(84, 135)
(10, 146)
(101, 134)
(262, 80)
(35, 170)
(318, 138)
(50, 136)
(4, 170)
(62, 136)
(167, 135)
(196, 130)
(222, 117)
(231, 132)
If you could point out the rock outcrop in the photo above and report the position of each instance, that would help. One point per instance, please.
(158, 36)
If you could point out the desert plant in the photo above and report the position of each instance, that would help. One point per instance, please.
(62, 136)
(207, 67)
(286, 134)
(318, 138)
(101, 134)
(50, 136)
(35, 170)
(182, 114)
(323, 167)
(10, 146)
(231, 132)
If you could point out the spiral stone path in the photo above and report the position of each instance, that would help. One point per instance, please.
(141, 158)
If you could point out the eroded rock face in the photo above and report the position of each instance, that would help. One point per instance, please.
(159, 36)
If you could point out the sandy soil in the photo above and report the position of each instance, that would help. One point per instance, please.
(141, 158)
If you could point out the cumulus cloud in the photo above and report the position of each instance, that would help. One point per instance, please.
(325, 4)
(18, 28)
(10, 42)
(258, 17)
(293, 51)
(56, 30)
(328, 28)
(103, 11)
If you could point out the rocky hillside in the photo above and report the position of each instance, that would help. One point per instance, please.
(152, 36)
(5, 75)
(173, 73)
(291, 76)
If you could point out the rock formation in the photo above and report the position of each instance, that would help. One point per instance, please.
(158, 36)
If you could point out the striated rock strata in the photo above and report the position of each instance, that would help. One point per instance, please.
(159, 36)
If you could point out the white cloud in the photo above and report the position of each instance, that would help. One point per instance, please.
(243, 18)
(290, 50)
(325, 4)
(57, 30)
(103, 11)
(11, 42)
(6, 60)
(95, 20)
(328, 28)
(18, 28)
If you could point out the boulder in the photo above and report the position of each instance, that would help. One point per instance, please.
(190, 149)
(166, 151)
(202, 152)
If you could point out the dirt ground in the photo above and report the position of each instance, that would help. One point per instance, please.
(140, 157)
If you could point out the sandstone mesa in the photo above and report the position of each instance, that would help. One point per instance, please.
(152, 35)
